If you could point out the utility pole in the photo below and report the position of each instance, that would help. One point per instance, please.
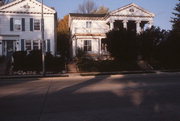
(43, 41)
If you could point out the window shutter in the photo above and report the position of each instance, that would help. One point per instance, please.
(11, 24)
(22, 44)
(48, 46)
(31, 24)
(23, 24)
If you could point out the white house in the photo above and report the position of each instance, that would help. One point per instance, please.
(20, 27)
(89, 30)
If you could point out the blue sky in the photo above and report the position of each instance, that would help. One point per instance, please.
(162, 8)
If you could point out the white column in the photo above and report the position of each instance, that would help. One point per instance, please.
(111, 25)
(75, 30)
(138, 28)
(142, 28)
(125, 23)
(150, 23)
(74, 47)
(39, 44)
(100, 46)
(18, 45)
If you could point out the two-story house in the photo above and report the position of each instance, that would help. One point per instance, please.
(20, 27)
(89, 30)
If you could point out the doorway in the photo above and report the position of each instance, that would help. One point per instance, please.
(8, 47)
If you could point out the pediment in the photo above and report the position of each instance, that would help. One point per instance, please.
(26, 6)
(132, 10)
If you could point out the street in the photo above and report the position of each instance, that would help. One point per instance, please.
(131, 97)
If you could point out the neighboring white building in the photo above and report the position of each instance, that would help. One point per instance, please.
(20, 27)
(89, 30)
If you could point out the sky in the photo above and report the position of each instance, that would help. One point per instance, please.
(161, 8)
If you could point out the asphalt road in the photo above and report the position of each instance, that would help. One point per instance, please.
(140, 97)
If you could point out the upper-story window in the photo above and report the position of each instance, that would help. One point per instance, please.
(88, 24)
(37, 24)
(17, 24)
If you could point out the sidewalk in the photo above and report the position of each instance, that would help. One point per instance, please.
(85, 74)
(32, 76)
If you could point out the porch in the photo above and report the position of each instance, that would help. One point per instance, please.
(8, 44)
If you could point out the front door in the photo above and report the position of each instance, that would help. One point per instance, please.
(9, 47)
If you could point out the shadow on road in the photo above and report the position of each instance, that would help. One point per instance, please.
(102, 98)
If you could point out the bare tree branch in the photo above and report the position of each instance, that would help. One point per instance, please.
(87, 6)
(3, 2)
(101, 10)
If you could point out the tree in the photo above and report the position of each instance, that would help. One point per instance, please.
(122, 44)
(63, 36)
(176, 19)
(63, 25)
(101, 10)
(149, 41)
(171, 47)
(2, 2)
(87, 7)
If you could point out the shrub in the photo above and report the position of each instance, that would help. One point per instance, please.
(86, 64)
(89, 65)
(1, 59)
(33, 62)
(122, 44)
(54, 64)
(19, 60)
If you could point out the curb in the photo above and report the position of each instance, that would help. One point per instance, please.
(86, 74)
(115, 73)
(33, 76)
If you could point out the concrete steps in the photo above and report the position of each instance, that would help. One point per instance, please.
(72, 67)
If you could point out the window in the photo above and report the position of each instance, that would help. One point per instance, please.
(87, 45)
(36, 24)
(88, 24)
(131, 10)
(28, 44)
(33, 44)
(17, 24)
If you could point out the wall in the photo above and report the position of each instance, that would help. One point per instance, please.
(97, 27)
(27, 34)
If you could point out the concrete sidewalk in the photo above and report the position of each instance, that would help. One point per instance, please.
(85, 74)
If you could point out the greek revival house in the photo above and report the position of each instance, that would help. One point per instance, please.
(20, 27)
(89, 30)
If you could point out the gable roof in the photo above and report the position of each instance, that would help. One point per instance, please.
(82, 16)
(130, 6)
(86, 15)
(123, 11)
(26, 6)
